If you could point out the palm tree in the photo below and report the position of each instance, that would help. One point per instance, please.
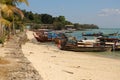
(14, 2)
(8, 7)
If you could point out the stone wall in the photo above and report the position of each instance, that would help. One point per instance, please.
(16, 66)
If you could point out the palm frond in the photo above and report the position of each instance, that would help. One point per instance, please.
(7, 10)
(10, 10)
(25, 1)
(19, 1)
(4, 22)
(18, 11)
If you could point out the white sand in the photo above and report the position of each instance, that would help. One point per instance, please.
(54, 64)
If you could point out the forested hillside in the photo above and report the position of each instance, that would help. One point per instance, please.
(57, 23)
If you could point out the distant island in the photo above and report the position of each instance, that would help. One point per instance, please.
(47, 21)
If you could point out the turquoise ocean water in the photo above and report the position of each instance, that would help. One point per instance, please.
(78, 35)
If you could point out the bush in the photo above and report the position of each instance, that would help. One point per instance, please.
(2, 39)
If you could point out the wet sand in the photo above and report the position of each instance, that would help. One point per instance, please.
(55, 64)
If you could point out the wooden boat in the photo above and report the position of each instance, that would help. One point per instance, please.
(92, 34)
(115, 46)
(41, 38)
(116, 49)
(113, 34)
(86, 49)
(68, 31)
(109, 39)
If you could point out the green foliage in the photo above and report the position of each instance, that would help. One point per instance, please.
(30, 16)
(57, 22)
(58, 25)
(37, 27)
(61, 19)
(2, 39)
(85, 26)
(46, 19)
(37, 18)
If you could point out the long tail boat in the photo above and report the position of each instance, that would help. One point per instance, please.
(85, 47)
(41, 38)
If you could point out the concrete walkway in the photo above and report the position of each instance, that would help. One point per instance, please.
(13, 64)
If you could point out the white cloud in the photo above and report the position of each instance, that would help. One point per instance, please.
(108, 12)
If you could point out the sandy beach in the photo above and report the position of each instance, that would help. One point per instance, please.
(55, 64)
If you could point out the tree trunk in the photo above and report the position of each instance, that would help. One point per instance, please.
(0, 21)
(1, 27)
(14, 31)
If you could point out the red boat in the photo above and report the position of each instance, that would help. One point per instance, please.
(41, 38)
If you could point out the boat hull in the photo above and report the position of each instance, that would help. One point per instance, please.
(86, 49)
(41, 38)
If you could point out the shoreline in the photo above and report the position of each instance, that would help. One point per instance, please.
(55, 64)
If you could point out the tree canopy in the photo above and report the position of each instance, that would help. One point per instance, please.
(58, 22)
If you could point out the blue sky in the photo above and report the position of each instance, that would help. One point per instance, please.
(104, 13)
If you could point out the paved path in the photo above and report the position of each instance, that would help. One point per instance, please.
(14, 65)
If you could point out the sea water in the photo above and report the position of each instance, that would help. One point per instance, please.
(78, 34)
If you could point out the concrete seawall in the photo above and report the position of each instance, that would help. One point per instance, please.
(14, 65)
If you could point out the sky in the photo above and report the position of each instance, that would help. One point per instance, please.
(104, 13)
